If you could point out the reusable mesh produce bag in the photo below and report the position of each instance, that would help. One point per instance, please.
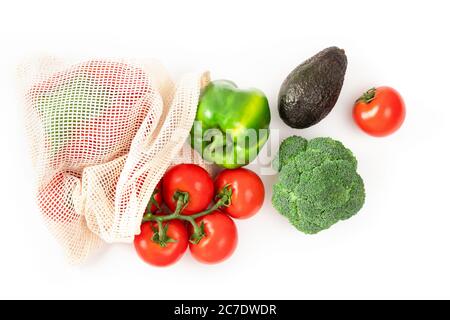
(102, 133)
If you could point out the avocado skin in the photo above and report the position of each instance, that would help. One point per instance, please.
(312, 89)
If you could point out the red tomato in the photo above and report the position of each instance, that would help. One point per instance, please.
(157, 255)
(192, 179)
(248, 192)
(220, 239)
(380, 112)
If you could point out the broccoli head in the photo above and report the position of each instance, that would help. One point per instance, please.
(318, 184)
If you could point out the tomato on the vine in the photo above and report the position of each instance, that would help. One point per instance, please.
(192, 179)
(248, 192)
(380, 111)
(162, 251)
(219, 241)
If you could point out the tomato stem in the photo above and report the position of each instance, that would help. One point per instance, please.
(368, 96)
(153, 201)
(160, 234)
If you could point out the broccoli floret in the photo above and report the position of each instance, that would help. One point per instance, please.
(318, 184)
(289, 148)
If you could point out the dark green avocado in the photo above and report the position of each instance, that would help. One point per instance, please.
(312, 89)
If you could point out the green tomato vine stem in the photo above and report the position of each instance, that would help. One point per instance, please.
(182, 198)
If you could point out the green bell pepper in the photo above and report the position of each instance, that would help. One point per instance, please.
(231, 125)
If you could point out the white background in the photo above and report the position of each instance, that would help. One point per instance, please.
(396, 247)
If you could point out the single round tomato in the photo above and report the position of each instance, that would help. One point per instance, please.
(152, 252)
(220, 238)
(192, 179)
(248, 192)
(380, 111)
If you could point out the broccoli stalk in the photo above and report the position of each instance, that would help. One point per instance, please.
(318, 184)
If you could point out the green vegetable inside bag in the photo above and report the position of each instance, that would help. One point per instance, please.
(66, 107)
(89, 112)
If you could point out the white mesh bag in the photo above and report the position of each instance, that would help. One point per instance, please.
(102, 133)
